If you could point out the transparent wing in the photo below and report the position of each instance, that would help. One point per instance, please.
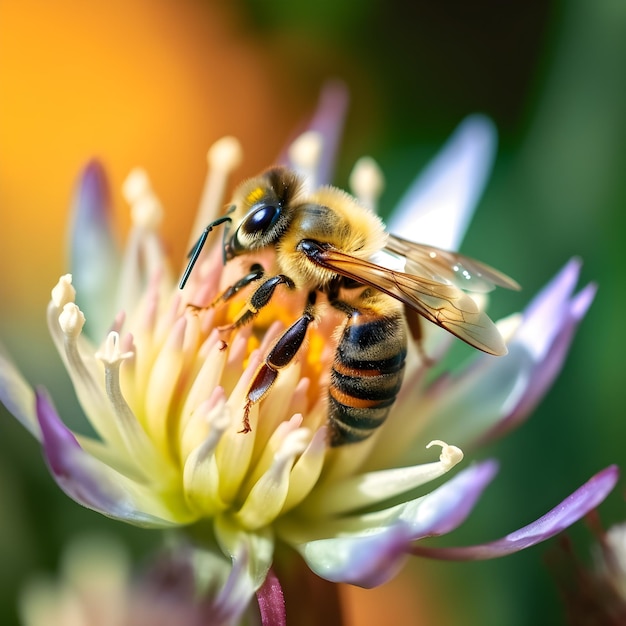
(444, 266)
(439, 302)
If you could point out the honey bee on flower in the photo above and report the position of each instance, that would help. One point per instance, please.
(315, 289)
(327, 244)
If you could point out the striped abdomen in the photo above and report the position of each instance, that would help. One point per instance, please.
(366, 376)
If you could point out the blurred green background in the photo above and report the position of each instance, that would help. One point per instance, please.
(550, 74)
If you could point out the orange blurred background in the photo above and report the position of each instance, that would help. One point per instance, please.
(150, 83)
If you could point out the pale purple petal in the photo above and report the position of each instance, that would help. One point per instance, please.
(235, 596)
(366, 560)
(439, 205)
(371, 559)
(328, 121)
(85, 479)
(272, 602)
(94, 255)
(546, 333)
(544, 316)
(573, 508)
(449, 505)
(496, 394)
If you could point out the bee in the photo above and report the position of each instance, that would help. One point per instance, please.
(325, 242)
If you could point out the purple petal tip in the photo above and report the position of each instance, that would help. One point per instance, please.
(92, 196)
(573, 508)
(56, 437)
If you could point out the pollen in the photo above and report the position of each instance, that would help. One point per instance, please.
(255, 195)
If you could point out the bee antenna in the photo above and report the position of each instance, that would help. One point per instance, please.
(194, 253)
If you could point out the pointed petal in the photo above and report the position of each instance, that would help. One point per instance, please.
(368, 489)
(366, 561)
(17, 396)
(90, 482)
(235, 596)
(496, 394)
(327, 122)
(94, 257)
(546, 370)
(272, 602)
(367, 550)
(573, 508)
(439, 205)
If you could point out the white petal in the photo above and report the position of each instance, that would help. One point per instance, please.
(439, 205)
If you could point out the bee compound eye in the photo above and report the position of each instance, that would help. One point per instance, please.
(261, 219)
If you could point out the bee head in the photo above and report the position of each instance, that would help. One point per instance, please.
(264, 204)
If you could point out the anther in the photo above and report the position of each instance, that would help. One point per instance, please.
(63, 292)
(225, 154)
(222, 157)
(136, 185)
(305, 153)
(111, 353)
(146, 209)
(71, 320)
(367, 182)
(450, 455)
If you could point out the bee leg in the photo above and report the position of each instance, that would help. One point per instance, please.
(256, 273)
(260, 298)
(414, 324)
(283, 352)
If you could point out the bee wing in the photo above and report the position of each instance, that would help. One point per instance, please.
(444, 266)
(439, 302)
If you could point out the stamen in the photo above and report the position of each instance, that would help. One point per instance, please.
(224, 156)
(367, 182)
(147, 212)
(83, 373)
(305, 153)
(136, 185)
(363, 490)
(137, 442)
(112, 355)
(71, 320)
(63, 292)
(143, 249)
(450, 455)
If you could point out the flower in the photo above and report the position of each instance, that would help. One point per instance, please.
(178, 444)
(97, 586)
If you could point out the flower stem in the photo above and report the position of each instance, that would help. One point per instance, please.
(309, 599)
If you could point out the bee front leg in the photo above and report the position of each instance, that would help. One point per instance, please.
(255, 274)
(281, 355)
(260, 298)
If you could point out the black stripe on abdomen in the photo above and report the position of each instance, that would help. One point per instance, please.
(366, 376)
